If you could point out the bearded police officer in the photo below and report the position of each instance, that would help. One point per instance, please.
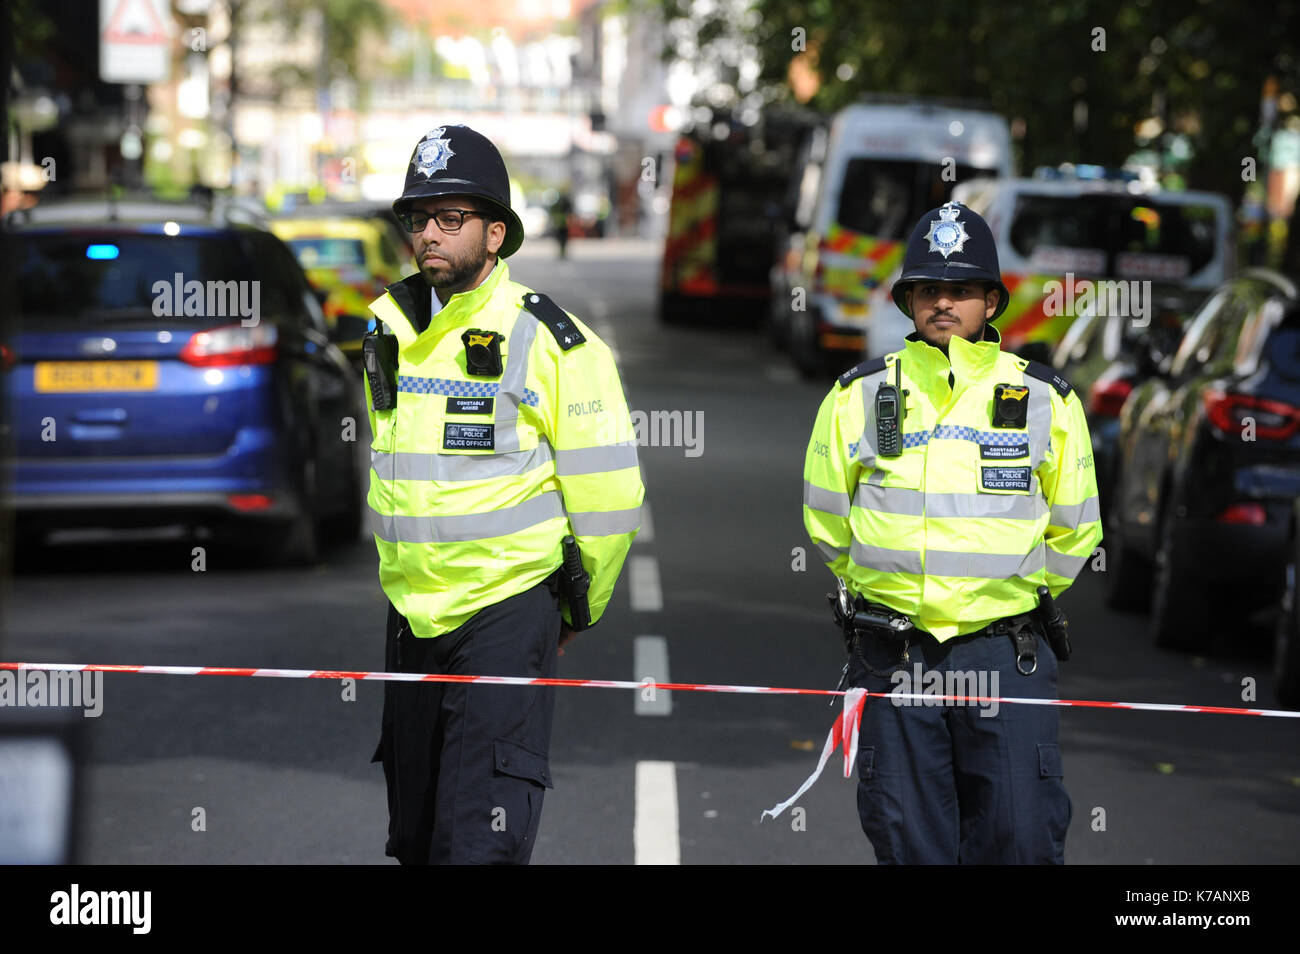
(950, 486)
(500, 429)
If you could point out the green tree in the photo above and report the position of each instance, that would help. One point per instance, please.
(1078, 76)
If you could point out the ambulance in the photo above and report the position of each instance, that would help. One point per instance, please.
(1083, 239)
(864, 184)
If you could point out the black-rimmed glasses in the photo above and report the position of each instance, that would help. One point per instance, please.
(449, 220)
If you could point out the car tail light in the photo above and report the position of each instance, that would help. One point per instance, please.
(231, 345)
(1106, 398)
(249, 502)
(7, 357)
(1252, 514)
(1233, 413)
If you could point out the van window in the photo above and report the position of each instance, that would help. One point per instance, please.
(1127, 236)
(885, 197)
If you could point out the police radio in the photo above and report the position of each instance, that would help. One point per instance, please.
(379, 357)
(889, 415)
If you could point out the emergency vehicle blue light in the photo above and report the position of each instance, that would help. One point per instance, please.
(102, 251)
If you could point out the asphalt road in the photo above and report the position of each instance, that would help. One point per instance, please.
(281, 768)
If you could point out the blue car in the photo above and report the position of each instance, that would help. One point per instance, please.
(168, 364)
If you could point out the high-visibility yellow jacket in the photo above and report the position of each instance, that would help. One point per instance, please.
(475, 480)
(963, 526)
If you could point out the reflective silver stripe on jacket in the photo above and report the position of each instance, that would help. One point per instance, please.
(470, 526)
(407, 465)
(1072, 516)
(831, 553)
(983, 566)
(825, 501)
(596, 460)
(915, 503)
(600, 523)
(885, 560)
(511, 392)
(1063, 564)
(1040, 422)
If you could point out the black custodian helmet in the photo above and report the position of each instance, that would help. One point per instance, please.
(951, 244)
(456, 160)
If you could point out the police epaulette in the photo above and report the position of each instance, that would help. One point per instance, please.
(1043, 372)
(862, 369)
(553, 317)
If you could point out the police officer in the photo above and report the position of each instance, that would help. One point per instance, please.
(500, 427)
(945, 483)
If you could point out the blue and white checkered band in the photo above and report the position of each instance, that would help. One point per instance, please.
(946, 234)
(433, 152)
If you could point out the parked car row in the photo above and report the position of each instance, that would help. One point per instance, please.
(1205, 474)
(169, 364)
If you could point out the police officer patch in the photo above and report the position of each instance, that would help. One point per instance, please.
(946, 234)
(1005, 478)
(468, 436)
(432, 153)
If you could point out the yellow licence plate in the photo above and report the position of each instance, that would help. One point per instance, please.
(96, 375)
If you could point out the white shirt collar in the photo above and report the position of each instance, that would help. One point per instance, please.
(437, 305)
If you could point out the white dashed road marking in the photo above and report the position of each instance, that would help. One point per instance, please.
(650, 661)
(654, 833)
(643, 572)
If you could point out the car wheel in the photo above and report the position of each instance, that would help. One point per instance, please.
(673, 309)
(298, 543)
(807, 357)
(1286, 650)
(1128, 575)
(345, 525)
(1179, 608)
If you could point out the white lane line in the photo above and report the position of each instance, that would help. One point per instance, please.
(647, 531)
(644, 574)
(654, 833)
(650, 661)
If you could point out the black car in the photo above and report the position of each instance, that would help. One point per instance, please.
(1286, 649)
(168, 365)
(1210, 467)
(1105, 357)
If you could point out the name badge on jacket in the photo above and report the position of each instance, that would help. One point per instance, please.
(468, 437)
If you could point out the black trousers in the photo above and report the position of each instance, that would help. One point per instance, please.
(467, 764)
(960, 783)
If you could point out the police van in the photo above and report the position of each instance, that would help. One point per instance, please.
(1086, 240)
(864, 183)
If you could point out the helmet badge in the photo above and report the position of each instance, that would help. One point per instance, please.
(946, 234)
(433, 152)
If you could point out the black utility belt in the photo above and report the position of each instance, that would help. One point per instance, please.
(884, 623)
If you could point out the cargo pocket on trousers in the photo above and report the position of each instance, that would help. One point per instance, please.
(1055, 802)
(520, 778)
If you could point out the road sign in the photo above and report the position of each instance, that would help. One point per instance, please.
(135, 42)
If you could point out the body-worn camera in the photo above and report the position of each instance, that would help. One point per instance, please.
(1010, 405)
(482, 352)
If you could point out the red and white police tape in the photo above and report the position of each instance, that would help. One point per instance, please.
(622, 684)
(844, 732)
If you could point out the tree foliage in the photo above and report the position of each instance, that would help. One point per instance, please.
(1196, 67)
